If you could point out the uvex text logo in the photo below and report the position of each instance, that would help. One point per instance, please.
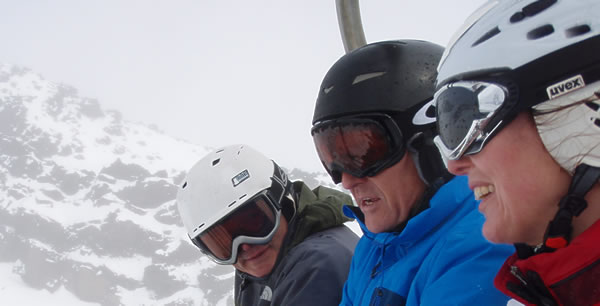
(564, 87)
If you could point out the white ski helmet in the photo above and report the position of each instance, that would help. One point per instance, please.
(221, 183)
(547, 52)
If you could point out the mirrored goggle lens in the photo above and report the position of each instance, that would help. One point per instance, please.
(461, 106)
(353, 147)
(255, 218)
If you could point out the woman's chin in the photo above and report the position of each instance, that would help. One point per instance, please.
(492, 233)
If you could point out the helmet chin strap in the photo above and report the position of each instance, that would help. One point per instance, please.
(558, 232)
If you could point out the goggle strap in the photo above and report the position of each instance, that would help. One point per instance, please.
(280, 186)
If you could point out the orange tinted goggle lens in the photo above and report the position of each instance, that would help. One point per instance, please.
(253, 219)
(352, 147)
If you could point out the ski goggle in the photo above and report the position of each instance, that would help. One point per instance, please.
(358, 145)
(468, 116)
(254, 222)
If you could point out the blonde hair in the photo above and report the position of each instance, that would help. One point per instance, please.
(569, 127)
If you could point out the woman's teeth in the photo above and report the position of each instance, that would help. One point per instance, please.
(482, 191)
(368, 202)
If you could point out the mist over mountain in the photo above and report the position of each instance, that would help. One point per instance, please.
(87, 205)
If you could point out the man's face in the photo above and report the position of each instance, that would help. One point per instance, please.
(387, 198)
(259, 259)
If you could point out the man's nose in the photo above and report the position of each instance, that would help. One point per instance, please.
(349, 181)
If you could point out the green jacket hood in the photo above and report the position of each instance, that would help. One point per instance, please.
(317, 210)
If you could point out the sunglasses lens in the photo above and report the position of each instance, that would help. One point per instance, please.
(353, 147)
(460, 105)
(255, 218)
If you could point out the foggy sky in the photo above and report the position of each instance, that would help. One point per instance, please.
(210, 72)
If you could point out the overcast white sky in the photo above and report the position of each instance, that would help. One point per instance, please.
(211, 72)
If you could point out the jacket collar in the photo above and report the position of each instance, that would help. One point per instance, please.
(439, 204)
(316, 210)
(564, 273)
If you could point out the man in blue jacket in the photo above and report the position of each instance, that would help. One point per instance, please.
(373, 130)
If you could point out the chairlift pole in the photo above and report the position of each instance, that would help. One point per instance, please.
(349, 21)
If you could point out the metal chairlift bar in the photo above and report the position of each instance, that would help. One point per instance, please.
(350, 23)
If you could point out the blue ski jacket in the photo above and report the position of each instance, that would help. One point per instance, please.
(439, 258)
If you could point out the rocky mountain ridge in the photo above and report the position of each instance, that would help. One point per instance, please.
(87, 205)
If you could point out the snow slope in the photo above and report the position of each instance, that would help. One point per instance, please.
(87, 205)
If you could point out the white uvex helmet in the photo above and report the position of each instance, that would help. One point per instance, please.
(549, 49)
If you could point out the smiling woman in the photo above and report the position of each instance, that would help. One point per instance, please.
(514, 187)
(533, 155)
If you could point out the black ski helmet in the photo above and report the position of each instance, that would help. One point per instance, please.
(392, 77)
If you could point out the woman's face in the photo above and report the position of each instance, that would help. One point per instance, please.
(518, 182)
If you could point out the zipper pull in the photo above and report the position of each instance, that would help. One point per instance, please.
(374, 271)
(514, 270)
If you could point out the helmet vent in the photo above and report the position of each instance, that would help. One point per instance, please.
(540, 32)
(243, 196)
(516, 17)
(216, 161)
(532, 10)
(198, 228)
(491, 33)
(184, 185)
(593, 106)
(231, 204)
(578, 30)
(367, 76)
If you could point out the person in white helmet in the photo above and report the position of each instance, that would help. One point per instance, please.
(517, 104)
(288, 243)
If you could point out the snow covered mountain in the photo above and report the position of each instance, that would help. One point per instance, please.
(87, 205)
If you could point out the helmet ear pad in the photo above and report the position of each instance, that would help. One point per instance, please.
(569, 127)
(427, 159)
(419, 142)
